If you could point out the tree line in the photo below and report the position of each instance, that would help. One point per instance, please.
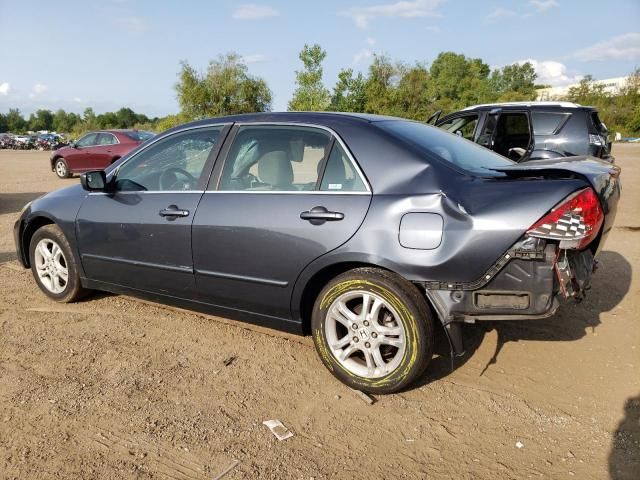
(451, 82)
(72, 123)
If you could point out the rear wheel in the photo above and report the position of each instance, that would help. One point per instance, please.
(61, 169)
(373, 330)
(53, 265)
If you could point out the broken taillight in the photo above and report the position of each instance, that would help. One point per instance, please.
(575, 221)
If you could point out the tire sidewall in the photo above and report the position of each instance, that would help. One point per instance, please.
(52, 232)
(418, 342)
(66, 168)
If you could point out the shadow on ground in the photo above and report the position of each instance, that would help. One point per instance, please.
(13, 202)
(610, 284)
(624, 459)
(7, 257)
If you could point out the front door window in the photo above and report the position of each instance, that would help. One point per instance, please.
(175, 163)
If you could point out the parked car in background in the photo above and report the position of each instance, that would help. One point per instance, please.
(95, 150)
(359, 229)
(23, 142)
(525, 131)
(49, 141)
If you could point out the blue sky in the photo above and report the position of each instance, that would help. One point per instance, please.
(113, 53)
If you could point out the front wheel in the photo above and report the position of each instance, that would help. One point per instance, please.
(61, 169)
(53, 265)
(373, 330)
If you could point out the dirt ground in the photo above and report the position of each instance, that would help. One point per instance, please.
(116, 388)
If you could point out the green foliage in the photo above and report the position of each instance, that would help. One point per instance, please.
(349, 94)
(225, 89)
(620, 112)
(514, 82)
(15, 122)
(310, 93)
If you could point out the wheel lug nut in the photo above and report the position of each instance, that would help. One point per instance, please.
(374, 335)
(367, 344)
(355, 326)
(366, 324)
(356, 339)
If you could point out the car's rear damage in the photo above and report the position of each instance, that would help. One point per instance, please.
(551, 262)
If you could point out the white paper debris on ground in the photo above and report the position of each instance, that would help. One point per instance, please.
(519, 444)
(278, 429)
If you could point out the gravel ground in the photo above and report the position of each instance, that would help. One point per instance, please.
(113, 387)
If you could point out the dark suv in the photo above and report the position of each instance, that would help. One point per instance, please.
(525, 131)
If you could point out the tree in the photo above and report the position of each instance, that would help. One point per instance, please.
(15, 122)
(458, 81)
(3, 123)
(349, 94)
(412, 95)
(310, 94)
(227, 88)
(380, 85)
(515, 82)
(65, 122)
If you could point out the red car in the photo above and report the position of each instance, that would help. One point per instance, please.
(95, 151)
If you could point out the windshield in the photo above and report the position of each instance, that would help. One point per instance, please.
(446, 146)
(139, 135)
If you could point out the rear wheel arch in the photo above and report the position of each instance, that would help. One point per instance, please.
(322, 277)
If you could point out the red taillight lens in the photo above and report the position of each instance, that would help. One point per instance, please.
(577, 219)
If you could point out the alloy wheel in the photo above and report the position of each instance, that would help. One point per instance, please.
(51, 266)
(364, 334)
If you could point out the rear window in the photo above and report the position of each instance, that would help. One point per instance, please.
(445, 146)
(139, 135)
(546, 123)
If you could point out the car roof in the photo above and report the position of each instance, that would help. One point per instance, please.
(532, 105)
(320, 118)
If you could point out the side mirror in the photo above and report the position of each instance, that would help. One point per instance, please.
(95, 181)
(73, 145)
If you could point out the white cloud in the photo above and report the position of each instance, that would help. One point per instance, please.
(39, 88)
(622, 47)
(363, 54)
(404, 9)
(131, 24)
(552, 73)
(543, 5)
(254, 58)
(500, 13)
(432, 28)
(77, 99)
(4, 88)
(252, 11)
(371, 41)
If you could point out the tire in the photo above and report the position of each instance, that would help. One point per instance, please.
(61, 168)
(51, 260)
(388, 348)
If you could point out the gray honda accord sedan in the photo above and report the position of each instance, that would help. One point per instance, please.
(367, 232)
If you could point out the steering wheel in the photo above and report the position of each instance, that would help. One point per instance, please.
(169, 179)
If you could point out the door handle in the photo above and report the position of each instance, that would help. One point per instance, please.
(172, 211)
(319, 215)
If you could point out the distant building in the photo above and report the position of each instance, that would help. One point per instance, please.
(611, 85)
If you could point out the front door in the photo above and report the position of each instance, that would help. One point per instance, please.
(286, 195)
(139, 236)
(78, 156)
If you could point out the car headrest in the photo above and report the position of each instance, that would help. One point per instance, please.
(274, 168)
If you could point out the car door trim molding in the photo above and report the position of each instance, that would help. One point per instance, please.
(245, 278)
(138, 263)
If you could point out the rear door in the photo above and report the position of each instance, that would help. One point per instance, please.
(284, 195)
(139, 236)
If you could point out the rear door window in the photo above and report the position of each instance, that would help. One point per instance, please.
(464, 126)
(548, 123)
(600, 126)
